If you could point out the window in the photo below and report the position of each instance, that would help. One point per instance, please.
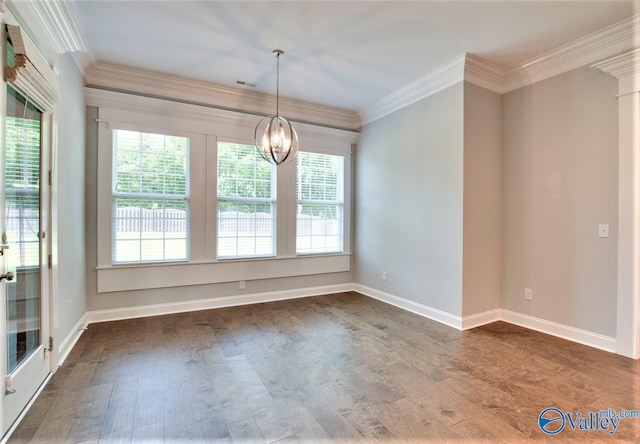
(246, 202)
(184, 198)
(150, 212)
(320, 199)
(22, 180)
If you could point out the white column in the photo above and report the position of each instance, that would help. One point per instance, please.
(626, 68)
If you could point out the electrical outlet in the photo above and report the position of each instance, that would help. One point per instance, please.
(603, 230)
(241, 285)
(528, 294)
(384, 275)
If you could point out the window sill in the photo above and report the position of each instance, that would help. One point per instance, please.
(149, 276)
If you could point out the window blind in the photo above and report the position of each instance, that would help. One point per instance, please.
(150, 213)
(320, 199)
(246, 202)
(22, 180)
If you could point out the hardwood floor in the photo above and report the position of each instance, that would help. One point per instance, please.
(340, 368)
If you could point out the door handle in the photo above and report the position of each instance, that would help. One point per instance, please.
(8, 276)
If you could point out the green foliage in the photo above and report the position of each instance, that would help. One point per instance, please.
(323, 211)
(11, 55)
(319, 179)
(150, 163)
(242, 172)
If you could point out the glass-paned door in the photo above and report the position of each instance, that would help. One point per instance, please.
(26, 363)
(22, 225)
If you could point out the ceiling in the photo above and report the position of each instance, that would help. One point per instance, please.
(348, 54)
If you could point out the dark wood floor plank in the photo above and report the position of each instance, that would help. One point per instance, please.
(340, 367)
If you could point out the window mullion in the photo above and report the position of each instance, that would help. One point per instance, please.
(320, 202)
(153, 196)
(210, 198)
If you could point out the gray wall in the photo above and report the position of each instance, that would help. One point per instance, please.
(482, 228)
(464, 198)
(70, 175)
(559, 182)
(409, 200)
(116, 300)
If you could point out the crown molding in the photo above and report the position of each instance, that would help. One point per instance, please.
(434, 82)
(57, 22)
(607, 42)
(615, 39)
(201, 116)
(466, 67)
(484, 73)
(620, 66)
(624, 67)
(153, 84)
(56, 25)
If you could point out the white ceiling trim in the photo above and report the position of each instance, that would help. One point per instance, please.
(483, 73)
(624, 65)
(62, 24)
(607, 42)
(153, 84)
(615, 39)
(434, 82)
(465, 67)
(201, 117)
(54, 24)
(56, 20)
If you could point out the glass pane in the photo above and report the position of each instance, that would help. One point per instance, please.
(150, 163)
(319, 185)
(150, 230)
(242, 172)
(22, 214)
(319, 229)
(156, 228)
(245, 229)
(320, 177)
(246, 226)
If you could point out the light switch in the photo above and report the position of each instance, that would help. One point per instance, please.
(603, 230)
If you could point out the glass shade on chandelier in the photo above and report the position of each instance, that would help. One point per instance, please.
(275, 138)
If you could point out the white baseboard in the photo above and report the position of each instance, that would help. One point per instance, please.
(584, 337)
(476, 320)
(460, 323)
(207, 304)
(580, 336)
(423, 310)
(67, 344)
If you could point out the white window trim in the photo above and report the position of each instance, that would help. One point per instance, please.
(105, 172)
(196, 153)
(204, 126)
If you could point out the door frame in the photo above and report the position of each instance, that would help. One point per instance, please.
(46, 89)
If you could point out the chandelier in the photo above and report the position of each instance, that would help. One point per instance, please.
(275, 138)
